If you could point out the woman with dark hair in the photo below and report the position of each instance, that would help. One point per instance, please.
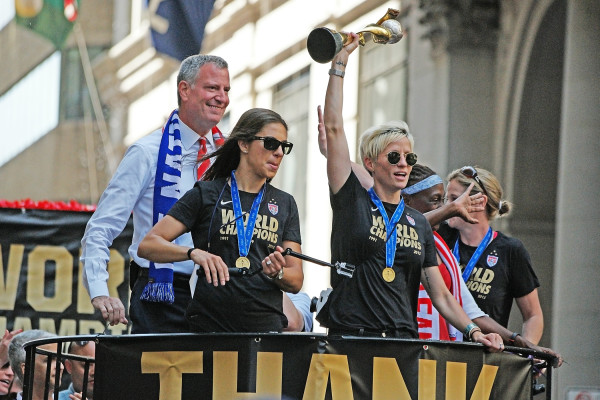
(237, 219)
(496, 268)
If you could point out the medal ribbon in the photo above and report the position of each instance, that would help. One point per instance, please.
(475, 257)
(390, 226)
(244, 235)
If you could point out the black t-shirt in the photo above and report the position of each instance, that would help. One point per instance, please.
(244, 304)
(358, 236)
(502, 273)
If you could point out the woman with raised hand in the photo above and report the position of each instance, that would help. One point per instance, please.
(237, 220)
(425, 192)
(391, 245)
(496, 268)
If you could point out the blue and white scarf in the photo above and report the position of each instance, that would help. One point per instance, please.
(166, 193)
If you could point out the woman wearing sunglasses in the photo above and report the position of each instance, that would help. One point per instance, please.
(495, 267)
(237, 220)
(391, 245)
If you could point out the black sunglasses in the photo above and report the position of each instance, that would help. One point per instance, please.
(394, 158)
(273, 144)
(471, 173)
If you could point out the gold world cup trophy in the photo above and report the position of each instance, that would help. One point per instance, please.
(324, 43)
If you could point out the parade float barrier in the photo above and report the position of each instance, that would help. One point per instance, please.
(306, 366)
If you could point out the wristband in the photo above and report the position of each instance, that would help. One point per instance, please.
(470, 329)
(189, 253)
(513, 337)
(337, 72)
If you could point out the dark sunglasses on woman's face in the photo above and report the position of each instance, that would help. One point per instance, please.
(394, 158)
(471, 173)
(273, 144)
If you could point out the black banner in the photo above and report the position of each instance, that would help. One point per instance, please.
(303, 366)
(40, 273)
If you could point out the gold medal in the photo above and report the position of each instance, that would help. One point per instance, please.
(388, 274)
(242, 262)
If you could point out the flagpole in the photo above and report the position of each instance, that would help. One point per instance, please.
(95, 98)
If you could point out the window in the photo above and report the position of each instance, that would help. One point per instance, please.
(290, 100)
(383, 84)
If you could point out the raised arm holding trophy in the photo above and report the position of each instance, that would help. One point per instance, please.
(324, 43)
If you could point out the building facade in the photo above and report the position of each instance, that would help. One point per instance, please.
(509, 85)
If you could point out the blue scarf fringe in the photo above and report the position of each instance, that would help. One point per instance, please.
(159, 292)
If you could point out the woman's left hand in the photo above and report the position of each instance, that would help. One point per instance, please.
(273, 263)
(492, 341)
(467, 204)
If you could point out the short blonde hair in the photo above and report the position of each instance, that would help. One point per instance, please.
(377, 138)
(495, 205)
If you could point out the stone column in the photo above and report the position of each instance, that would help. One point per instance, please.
(577, 270)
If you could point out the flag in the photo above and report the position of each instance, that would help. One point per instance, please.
(53, 19)
(177, 26)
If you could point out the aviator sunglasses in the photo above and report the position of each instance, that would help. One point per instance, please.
(471, 173)
(394, 158)
(273, 144)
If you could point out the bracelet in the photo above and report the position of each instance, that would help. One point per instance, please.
(513, 337)
(476, 329)
(278, 276)
(189, 253)
(470, 329)
(337, 72)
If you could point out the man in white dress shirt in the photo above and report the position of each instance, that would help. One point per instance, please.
(202, 91)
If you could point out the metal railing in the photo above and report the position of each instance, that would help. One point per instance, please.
(539, 360)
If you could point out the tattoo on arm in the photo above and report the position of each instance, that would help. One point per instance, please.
(340, 63)
(427, 284)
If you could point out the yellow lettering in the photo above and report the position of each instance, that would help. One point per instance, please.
(84, 304)
(427, 379)
(47, 324)
(402, 231)
(87, 327)
(485, 381)
(273, 224)
(456, 380)
(8, 286)
(324, 367)
(388, 382)
(259, 222)
(488, 276)
(269, 375)
(22, 323)
(116, 272)
(229, 230)
(413, 234)
(378, 221)
(118, 329)
(68, 327)
(170, 366)
(264, 223)
(226, 216)
(36, 278)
